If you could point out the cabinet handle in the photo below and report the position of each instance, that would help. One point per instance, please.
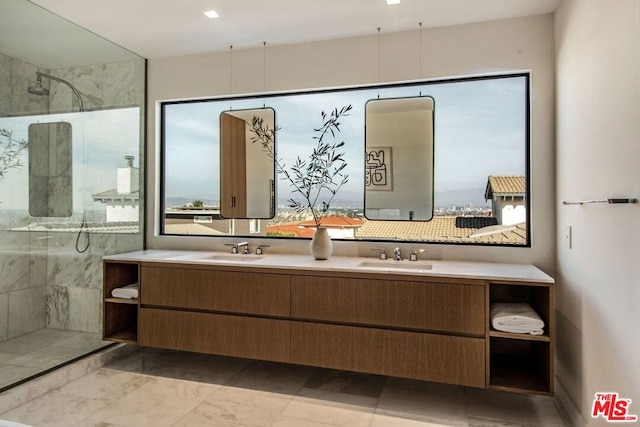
(233, 201)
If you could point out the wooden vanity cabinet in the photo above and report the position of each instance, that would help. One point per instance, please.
(189, 287)
(423, 356)
(406, 304)
(239, 336)
(211, 310)
(421, 327)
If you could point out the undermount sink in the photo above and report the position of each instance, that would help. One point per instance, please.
(390, 264)
(238, 257)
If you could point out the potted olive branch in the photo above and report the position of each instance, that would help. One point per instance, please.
(315, 180)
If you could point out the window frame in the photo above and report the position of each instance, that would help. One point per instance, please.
(421, 82)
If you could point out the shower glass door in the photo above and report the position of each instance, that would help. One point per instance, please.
(87, 174)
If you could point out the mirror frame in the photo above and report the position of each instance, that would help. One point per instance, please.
(389, 150)
(231, 181)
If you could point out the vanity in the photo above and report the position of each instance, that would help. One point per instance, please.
(422, 320)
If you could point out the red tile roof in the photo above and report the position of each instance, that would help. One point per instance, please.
(335, 222)
(290, 230)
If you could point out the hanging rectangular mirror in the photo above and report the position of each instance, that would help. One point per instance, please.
(399, 144)
(247, 163)
(50, 171)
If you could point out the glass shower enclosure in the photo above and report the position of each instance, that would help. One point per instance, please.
(71, 173)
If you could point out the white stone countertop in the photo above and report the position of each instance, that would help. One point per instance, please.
(455, 269)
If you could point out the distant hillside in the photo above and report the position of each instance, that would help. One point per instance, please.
(474, 197)
(354, 199)
(182, 201)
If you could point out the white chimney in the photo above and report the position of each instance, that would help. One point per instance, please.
(128, 177)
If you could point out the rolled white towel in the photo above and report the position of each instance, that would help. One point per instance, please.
(517, 318)
(128, 292)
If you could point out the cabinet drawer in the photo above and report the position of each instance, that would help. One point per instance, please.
(238, 336)
(442, 307)
(216, 290)
(430, 357)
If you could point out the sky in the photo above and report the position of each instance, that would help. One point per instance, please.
(479, 131)
(100, 140)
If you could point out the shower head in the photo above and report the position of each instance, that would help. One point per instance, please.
(38, 89)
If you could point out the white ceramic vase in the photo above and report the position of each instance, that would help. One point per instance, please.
(321, 245)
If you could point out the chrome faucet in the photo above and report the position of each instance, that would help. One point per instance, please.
(244, 245)
(236, 246)
(397, 254)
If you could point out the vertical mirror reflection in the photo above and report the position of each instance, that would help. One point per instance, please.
(247, 167)
(399, 137)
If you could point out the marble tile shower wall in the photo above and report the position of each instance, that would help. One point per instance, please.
(23, 286)
(44, 282)
(74, 280)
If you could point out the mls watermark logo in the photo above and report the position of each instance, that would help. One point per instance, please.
(612, 408)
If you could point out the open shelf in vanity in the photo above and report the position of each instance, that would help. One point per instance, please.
(522, 362)
(120, 315)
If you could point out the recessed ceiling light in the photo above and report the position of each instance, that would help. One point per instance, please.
(393, 1)
(213, 14)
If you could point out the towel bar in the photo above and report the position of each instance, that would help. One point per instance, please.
(610, 201)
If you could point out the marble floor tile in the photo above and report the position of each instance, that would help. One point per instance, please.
(296, 422)
(140, 408)
(84, 341)
(34, 340)
(42, 350)
(168, 388)
(234, 407)
(186, 389)
(22, 345)
(210, 369)
(346, 382)
(335, 409)
(398, 421)
(486, 422)
(518, 409)
(10, 374)
(105, 384)
(6, 357)
(272, 377)
(55, 409)
(423, 405)
(46, 357)
(152, 362)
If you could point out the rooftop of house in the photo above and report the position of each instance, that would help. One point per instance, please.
(90, 227)
(110, 195)
(445, 229)
(335, 222)
(505, 185)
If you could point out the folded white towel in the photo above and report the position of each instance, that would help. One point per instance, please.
(129, 291)
(517, 318)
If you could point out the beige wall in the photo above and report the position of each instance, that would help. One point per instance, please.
(598, 149)
(498, 46)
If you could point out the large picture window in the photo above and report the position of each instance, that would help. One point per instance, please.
(480, 161)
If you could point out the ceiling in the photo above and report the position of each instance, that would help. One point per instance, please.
(162, 28)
